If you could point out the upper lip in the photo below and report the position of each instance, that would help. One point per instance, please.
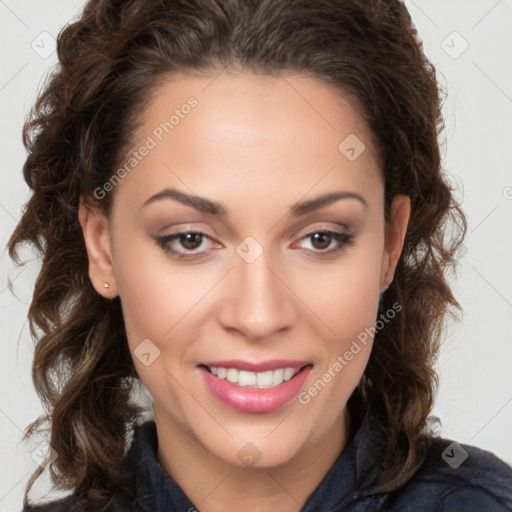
(263, 366)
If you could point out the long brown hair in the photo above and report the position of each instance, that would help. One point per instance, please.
(111, 60)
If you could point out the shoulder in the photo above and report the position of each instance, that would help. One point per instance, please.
(458, 477)
(67, 504)
(127, 491)
(75, 503)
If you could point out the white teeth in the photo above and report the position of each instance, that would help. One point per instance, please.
(232, 375)
(245, 378)
(288, 373)
(278, 376)
(265, 378)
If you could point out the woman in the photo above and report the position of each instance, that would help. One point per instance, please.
(241, 205)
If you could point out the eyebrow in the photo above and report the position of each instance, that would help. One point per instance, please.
(213, 208)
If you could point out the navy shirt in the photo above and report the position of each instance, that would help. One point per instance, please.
(448, 481)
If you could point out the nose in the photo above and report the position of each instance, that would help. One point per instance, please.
(258, 300)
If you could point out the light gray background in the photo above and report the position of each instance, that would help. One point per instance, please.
(475, 397)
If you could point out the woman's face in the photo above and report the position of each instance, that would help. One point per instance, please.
(269, 278)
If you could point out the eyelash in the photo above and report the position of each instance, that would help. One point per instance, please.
(344, 240)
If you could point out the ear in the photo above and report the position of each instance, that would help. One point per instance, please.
(97, 241)
(395, 235)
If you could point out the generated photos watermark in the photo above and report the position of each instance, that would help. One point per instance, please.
(342, 361)
(151, 142)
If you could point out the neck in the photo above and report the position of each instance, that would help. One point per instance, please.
(213, 485)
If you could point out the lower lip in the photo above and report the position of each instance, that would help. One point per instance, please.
(255, 399)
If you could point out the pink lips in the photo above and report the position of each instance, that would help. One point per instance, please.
(255, 400)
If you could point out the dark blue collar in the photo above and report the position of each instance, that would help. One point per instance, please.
(349, 478)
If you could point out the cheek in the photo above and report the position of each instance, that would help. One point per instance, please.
(351, 314)
(158, 309)
(345, 295)
(346, 301)
(153, 294)
(348, 305)
(155, 291)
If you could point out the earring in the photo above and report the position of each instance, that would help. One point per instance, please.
(106, 285)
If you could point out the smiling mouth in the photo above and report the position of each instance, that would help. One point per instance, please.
(249, 379)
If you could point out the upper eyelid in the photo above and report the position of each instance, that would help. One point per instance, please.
(348, 227)
(183, 231)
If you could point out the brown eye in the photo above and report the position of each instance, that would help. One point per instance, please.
(321, 240)
(190, 241)
(186, 244)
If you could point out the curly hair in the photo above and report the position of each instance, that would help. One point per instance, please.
(111, 61)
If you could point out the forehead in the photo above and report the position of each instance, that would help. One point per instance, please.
(252, 134)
